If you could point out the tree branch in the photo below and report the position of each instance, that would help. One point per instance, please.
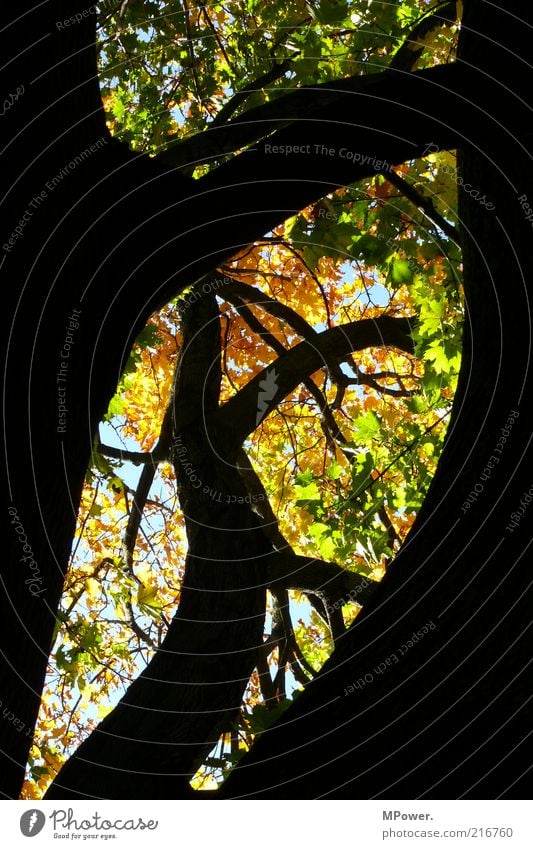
(216, 36)
(143, 488)
(327, 418)
(138, 458)
(326, 584)
(242, 413)
(278, 70)
(364, 379)
(136, 628)
(265, 679)
(414, 45)
(250, 294)
(309, 575)
(198, 374)
(424, 204)
(392, 534)
(190, 49)
(235, 289)
(262, 505)
(307, 103)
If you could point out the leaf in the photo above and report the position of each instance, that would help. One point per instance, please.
(436, 354)
(144, 574)
(318, 529)
(327, 549)
(400, 272)
(116, 484)
(334, 471)
(310, 492)
(303, 478)
(115, 408)
(367, 427)
(416, 404)
(369, 248)
(361, 469)
(38, 772)
(92, 588)
(262, 717)
(331, 12)
(431, 314)
(62, 660)
(147, 596)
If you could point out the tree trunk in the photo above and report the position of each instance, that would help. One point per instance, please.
(174, 712)
(112, 236)
(446, 713)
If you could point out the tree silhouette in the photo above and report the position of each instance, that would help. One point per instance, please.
(122, 236)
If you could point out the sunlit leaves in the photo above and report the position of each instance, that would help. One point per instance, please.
(367, 427)
(167, 70)
(345, 460)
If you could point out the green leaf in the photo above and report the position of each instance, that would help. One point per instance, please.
(37, 772)
(331, 12)
(436, 354)
(369, 248)
(367, 427)
(116, 484)
(400, 272)
(308, 493)
(148, 337)
(116, 407)
(262, 717)
(361, 468)
(61, 659)
(327, 549)
(303, 478)
(416, 404)
(334, 471)
(216, 763)
(431, 314)
(318, 529)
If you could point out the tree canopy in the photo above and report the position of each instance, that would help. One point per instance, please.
(278, 296)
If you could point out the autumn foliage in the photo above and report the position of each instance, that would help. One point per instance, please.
(341, 463)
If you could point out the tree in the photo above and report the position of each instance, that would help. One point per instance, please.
(93, 241)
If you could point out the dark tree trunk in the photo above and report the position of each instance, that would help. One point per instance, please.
(190, 692)
(117, 234)
(449, 716)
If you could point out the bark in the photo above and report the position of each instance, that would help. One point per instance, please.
(116, 236)
(450, 715)
(174, 712)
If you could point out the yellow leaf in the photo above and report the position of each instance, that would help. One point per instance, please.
(143, 573)
(92, 588)
(147, 595)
